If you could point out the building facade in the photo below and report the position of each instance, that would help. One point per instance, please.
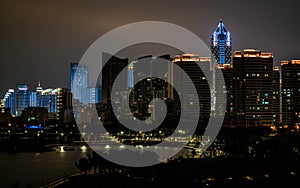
(290, 92)
(79, 82)
(109, 73)
(188, 62)
(22, 98)
(10, 101)
(276, 95)
(253, 88)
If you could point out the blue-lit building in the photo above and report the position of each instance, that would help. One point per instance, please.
(95, 94)
(130, 75)
(57, 101)
(10, 101)
(99, 94)
(79, 82)
(22, 98)
(49, 100)
(35, 99)
(221, 44)
(221, 52)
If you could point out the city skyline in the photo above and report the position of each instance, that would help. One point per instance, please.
(152, 115)
(252, 83)
(41, 45)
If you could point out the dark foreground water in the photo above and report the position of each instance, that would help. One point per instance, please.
(28, 169)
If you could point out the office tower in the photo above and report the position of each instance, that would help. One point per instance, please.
(253, 89)
(188, 62)
(58, 103)
(10, 101)
(227, 73)
(290, 92)
(276, 95)
(149, 73)
(221, 44)
(49, 101)
(109, 73)
(64, 103)
(22, 98)
(35, 97)
(79, 82)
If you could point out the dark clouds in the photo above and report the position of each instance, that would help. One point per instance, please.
(40, 38)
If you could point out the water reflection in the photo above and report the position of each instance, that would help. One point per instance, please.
(24, 168)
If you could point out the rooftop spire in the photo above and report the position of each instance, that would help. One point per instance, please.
(221, 28)
(221, 44)
(39, 87)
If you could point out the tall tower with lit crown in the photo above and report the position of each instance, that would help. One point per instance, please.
(221, 59)
(221, 44)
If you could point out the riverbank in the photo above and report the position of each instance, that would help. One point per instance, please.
(222, 172)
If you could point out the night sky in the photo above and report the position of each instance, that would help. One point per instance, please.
(39, 39)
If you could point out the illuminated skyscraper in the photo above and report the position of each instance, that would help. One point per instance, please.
(221, 44)
(10, 101)
(58, 102)
(35, 98)
(221, 52)
(253, 88)
(188, 62)
(276, 94)
(227, 74)
(49, 101)
(111, 70)
(109, 73)
(148, 87)
(79, 82)
(22, 98)
(290, 92)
